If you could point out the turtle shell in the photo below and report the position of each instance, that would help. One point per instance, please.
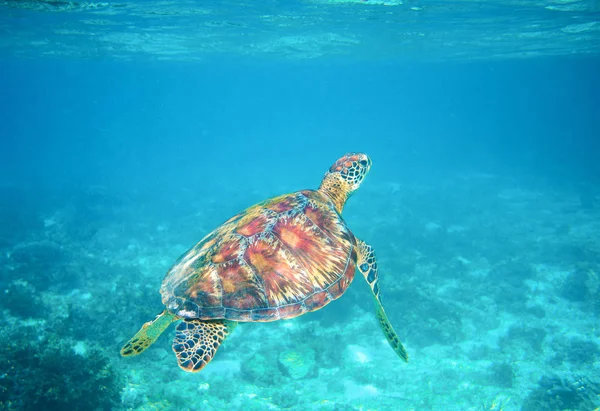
(278, 259)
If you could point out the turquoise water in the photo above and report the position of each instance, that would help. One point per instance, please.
(129, 131)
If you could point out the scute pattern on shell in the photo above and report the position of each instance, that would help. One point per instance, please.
(278, 259)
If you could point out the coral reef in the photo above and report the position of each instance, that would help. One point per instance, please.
(54, 374)
(570, 392)
(21, 300)
(262, 370)
(298, 363)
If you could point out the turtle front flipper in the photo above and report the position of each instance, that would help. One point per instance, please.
(149, 333)
(197, 341)
(367, 265)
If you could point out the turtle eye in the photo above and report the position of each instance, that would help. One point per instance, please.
(363, 163)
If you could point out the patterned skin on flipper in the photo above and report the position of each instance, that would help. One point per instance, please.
(367, 265)
(148, 334)
(196, 342)
(279, 259)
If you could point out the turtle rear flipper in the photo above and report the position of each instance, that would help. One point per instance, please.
(197, 341)
(367, 265)
(389, 332)
(148, 334)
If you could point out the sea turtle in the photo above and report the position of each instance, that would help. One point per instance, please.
(278, 259)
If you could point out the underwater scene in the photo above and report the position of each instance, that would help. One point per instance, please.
(342, 205)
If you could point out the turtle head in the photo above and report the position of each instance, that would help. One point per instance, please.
(344, 177)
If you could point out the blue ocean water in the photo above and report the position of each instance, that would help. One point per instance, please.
(129, 131)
